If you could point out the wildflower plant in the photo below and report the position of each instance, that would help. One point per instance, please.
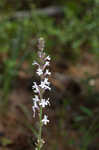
(39, 102)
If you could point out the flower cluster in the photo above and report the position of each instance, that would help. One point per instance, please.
(43, 72)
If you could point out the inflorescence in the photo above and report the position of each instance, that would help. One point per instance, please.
(39, 102)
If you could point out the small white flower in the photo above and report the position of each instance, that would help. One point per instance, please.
(36, 88)
(47, 72)
(35, 104)
(44, 86)
(47, 102)
(46, 64)
(45, 120)
(39, 71)
(47, 88)
(44, 102)
(46, 81)
(35, 63)
(34, 107)
(48, 58)
(36, 98)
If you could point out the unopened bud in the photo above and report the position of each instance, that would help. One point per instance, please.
(41, 43)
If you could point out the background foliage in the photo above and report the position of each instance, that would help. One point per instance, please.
(69, 33)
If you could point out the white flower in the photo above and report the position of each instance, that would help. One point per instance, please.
(46, 81)
(47, 102)
(39, 71)
(47, 72)
(35, 86)
(36, 99)
(46, 64)
(34, 107)
(45, 120)
(44, 102)
(35, 104)
(35, 63)
(48, 58)
(44, 86)
(47, 88)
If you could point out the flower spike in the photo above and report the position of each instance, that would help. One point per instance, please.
(39, 102)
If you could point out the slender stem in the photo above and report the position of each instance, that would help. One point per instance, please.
(40, 130)
(40, 142)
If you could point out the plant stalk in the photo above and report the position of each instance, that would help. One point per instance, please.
(40, 141)
(40, 131)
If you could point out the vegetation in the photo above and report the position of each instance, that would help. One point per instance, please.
(71, 33)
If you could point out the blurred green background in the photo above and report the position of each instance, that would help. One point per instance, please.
(71, 32)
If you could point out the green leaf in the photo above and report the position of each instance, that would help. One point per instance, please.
(79, 118)
(5, 141)
(86, 110)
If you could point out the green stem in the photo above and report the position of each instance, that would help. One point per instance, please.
(40, 130)
(40, 141)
